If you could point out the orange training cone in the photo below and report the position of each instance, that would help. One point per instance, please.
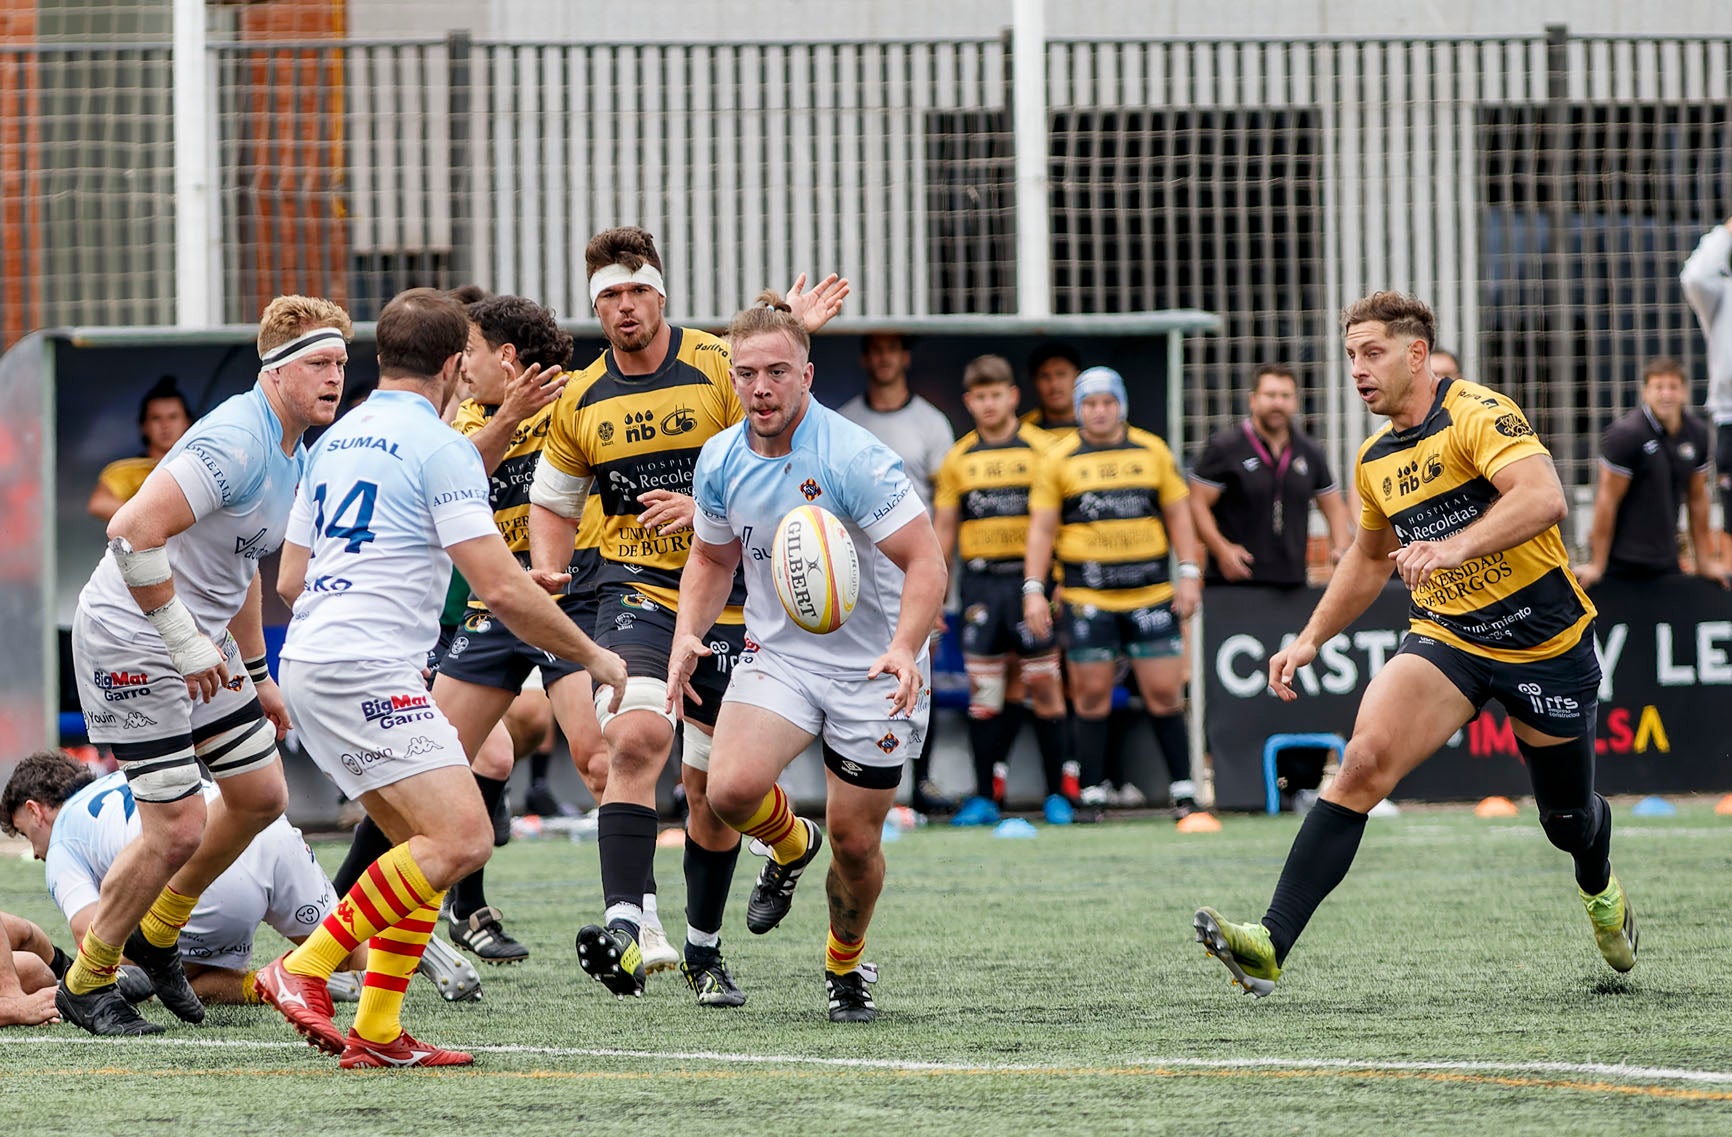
(1724, 805)
(1495, 807)
(1199, 823)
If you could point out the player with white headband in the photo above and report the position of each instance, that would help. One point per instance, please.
(632, 424)
(169, 645)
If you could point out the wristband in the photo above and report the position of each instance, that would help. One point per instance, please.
(1188, 570)
(258, 670)
(1033, 587)
(189, 651)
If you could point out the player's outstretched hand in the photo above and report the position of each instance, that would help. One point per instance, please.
(899, 664)
(666, 511)
(682, 662)
(552, 583)
(1285, 664)
(529, 391)
(819, 306)
(607, 669)
(276, 710)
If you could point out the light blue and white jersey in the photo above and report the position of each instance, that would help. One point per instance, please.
(834, 464)
(240, 484)
(386, 491)
(274, 881)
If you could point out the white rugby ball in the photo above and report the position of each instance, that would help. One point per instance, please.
(816, 568)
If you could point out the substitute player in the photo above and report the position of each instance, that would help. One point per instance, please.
(981, 517)
(1110, 504)
(863, 689)
(1460, 498)
(170, 649)
(630, 426)
(392, 498)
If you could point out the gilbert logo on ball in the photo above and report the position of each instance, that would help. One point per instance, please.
(816, 568)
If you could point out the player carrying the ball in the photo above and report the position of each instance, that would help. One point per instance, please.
(863, 688)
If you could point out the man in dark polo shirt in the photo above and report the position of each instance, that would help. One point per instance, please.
(1652, 461)
(1252, 486)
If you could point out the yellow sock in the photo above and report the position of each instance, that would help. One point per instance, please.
(250, 993)
(842, 956)
(392, 957)
(776, 826)
(390, 890)
(95, 966)
(162, 924)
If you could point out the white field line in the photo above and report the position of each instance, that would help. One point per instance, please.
(1578, 1069)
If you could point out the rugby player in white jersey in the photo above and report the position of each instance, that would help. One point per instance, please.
(863, 688)
(170, 653)
(392, 498)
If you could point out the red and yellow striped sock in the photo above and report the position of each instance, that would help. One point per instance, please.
(392, 957)
(167, 916)
(842, 956)
(95, 966)
(776, 826)
(390, 890)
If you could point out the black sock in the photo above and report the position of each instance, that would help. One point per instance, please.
(1051, 735)
(1119, 723)
(1319, 859)
(708, 876)
(625, 837)
(367, 844)
(1174, 739)
(470, 894)
(1594, 865)
(921, 762)
(983, 739)
(59, 963)
(538, 763)
(1092, 736)
(1563, 781)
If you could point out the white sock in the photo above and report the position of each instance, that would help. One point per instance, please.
(703, 939)
(630, 913)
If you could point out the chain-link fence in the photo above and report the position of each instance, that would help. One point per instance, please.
(1541, 192)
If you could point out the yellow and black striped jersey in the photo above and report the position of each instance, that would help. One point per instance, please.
(1111, 548)
(988, 484)
(1037, 418)
(123, 477)
(508, 492)
(1433, 481)
(636, 433)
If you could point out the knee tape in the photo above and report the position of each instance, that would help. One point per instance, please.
(986, 684)
(1571, 830)
(1041, 666)
(642, 693)
(163, 780)
(239, 749)
(695, 748)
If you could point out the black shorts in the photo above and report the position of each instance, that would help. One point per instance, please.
(1094, 635)
(1723, 472)
(641, 630)
(483, 651)
(992, 622)
(1559, 696)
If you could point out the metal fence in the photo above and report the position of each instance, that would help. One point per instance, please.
(1542, 192)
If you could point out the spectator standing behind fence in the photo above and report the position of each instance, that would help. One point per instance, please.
(1707, 280)
(1652, 461)
(1253, 484)
(163, 416)
(921, 436)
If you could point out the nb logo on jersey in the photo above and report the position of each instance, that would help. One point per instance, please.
(1408, 477)
(640, 426)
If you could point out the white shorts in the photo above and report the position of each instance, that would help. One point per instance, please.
(368, 724)
(131, 693)
(851, 715)
(275, 881)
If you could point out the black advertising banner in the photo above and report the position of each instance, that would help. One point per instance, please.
(1665, 653)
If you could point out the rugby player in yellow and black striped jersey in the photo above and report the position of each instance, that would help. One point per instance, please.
(980, 512)
(628, 430)
(1462, 499)
(1111, 504)
(1052, 369)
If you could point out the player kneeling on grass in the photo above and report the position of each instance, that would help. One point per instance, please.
(863, 688)
(1461, 498)
(391, 498)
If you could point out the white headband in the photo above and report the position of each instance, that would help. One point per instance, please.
(300, 347)
(615, 275)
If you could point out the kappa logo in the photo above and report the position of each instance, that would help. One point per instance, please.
(346, 913)
(605, 433)
(889, 743)
(421, 745)
(137, 720)
(1513, 426)
(809, 489)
